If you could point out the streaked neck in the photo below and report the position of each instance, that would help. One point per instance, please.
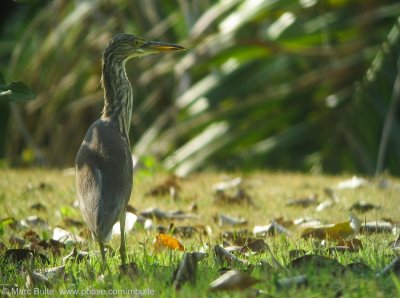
(118, 99)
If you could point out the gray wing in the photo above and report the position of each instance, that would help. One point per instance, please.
(104, 178)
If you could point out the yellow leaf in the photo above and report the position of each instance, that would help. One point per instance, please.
(337, 231)
(164, 241)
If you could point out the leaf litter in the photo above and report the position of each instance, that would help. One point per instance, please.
(337, 237)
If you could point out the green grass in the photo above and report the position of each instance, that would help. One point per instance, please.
(19, 189)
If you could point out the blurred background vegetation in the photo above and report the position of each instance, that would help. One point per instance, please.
(305, 85)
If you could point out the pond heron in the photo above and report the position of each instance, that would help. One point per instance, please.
(104, 169)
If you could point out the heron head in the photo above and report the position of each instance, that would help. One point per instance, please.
(126, 46)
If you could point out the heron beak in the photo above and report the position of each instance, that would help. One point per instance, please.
(155, 46)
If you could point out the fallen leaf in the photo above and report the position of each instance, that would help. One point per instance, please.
(233, 280)
(271, 229)
(155, 213)
(32, 237)
(185, 231)
(17, 241)
(344, 245)
(363, 206)
(70, 222)
(225, 185)
(376, 227)
(76, 256)
(34, 222)
(35, 280)
(54, 272)
(130, 220)
(239, 197)
(170, 186)
(353, 183)
(307, 222)
(303, 202)
(324, 205)
(223, 256)
(38, 207)
(237, 234)
(18, 255)
(299, 280)
(53, 245)
(164, 241)
(66, 237)
(230, 220)
(186, 271)
(257, 245)
(337, 231)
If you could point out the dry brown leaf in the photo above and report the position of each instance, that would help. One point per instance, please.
(186, 271)
(223, 256)
(170, 186)
(155, 213)
(239, 197)
(38, 207)
(32, 237)
(363, 206)
(233, 280)
(164, 241)
(18, 255)
(186, 231)
(230, 220)
(76, 256)
(303, 202)
(70, 222)
(237, 234)
(257, 245)
(53, 245)
(17, 241)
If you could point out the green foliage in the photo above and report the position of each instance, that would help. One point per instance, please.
(302, 85)
(14, 91)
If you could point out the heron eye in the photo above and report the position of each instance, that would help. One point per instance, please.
(136, 43)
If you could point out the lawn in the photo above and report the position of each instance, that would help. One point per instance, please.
(282, 264)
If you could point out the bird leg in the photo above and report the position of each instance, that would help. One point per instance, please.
(122, 248)
(103, 253)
